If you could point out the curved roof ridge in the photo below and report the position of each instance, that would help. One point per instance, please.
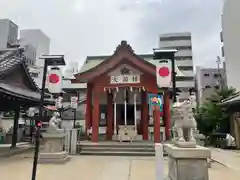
(122, 47)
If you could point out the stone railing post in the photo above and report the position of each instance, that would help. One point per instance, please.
(73, 150)
(159, 161)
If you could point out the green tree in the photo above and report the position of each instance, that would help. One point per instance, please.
(212, 117)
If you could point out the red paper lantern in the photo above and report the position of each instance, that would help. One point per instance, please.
(164, 72)
(54, 78)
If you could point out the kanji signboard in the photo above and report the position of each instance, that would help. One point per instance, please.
(125, 79)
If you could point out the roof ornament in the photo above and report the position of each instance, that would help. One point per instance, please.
(125, 71)
(124, 46)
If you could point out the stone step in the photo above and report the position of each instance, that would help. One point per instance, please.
(118, 149)
(118, 145)
(116, 153)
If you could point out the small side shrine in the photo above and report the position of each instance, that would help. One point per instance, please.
(18, 90)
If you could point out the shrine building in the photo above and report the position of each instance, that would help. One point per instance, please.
(117, 102)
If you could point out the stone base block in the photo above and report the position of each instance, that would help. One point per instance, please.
(187, 163)
(138, 138)
(53, 158)
(186, 144)
(115, 137)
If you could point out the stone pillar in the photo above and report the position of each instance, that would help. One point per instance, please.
(135, 111)
(125, 112)
(115, 113)
(96, 116)
(159, 161)
(144, 115)
(187, 163)
(167, 114)
(109, 116)
(156, 117)
(15, 128)
(88, 114)
(73, 141)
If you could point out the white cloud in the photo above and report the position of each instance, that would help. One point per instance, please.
(91, 27)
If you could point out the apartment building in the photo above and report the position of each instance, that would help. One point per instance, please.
(37, 39)
(207, 81)
(8, 34)
(183, 59)
(231, 39)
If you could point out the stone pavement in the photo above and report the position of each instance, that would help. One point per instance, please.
(229, 158)
(96, 168)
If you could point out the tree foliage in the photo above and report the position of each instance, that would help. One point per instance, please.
(211, 117)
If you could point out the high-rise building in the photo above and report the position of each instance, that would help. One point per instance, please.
(183, 59)
(72, 67)
(8, 34)
(231, 39)
(30, 54)
(38, 40)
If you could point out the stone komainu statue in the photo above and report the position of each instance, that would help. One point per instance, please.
(55, 122)
(183, 120)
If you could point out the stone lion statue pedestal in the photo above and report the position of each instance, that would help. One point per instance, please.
(187, 163)
(187, 160)
(53, 144)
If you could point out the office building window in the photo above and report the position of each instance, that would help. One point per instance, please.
(217, 75)
(206, 75)
(186, 68)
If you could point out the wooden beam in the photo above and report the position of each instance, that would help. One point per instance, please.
(15, 128)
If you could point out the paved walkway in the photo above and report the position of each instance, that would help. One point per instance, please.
(97, 168)
(229, 158)
(82, 167)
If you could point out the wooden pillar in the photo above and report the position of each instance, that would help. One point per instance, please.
(15, 128)
(156, 117)
(236, 131)
(144, 115)
(96, 116)
(167, 114)
(109, 116)
(88, 114)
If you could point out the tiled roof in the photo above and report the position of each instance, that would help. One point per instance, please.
(232, 100)
(92, 62)
(10, 58)
(24, 93)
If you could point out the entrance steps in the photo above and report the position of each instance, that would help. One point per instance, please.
(117, 149)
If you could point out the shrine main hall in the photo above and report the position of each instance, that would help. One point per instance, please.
(117, 102)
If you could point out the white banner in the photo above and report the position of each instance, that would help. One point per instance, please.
(74, 102)
(125, 79)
